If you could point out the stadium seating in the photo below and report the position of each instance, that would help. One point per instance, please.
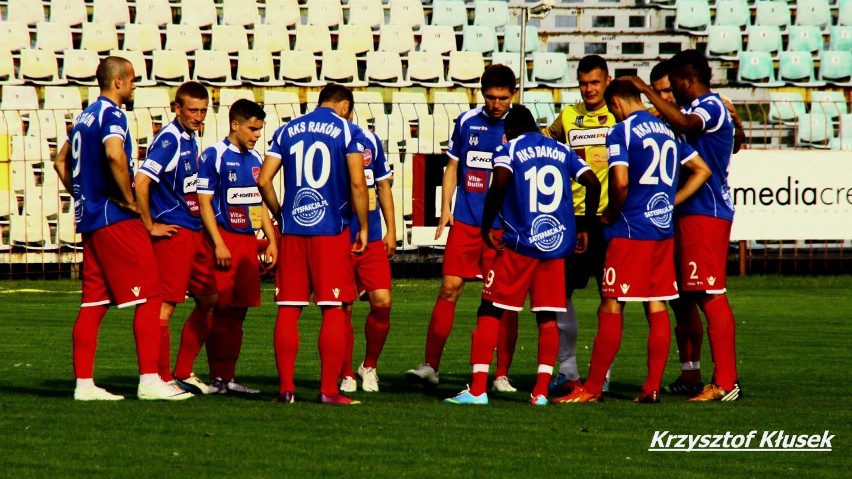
(325, 13)
(814, 130)
(271, 38)
(368, 13)
(786, 107)
(480, 38)
(797, 68)
(79, 67)
(170, 67)
(19, 98)
(340, 66)
(198, 13)
(772, 13)
(68, 12)
(99, 37)
(243, 13)
(24, 11)
(844, 138)
(53, 37)
(257, 68)
(313, 39)
(840, 38)
(213, 68)
(844, 12)
(490, 13)
(142, 38)
(427, 69)
(465, 68)
(451, 13)
(406, 13)
(8, 73)
(512, 39)
(763, 38)
(813, 12)
(385, 69)
(300, 71)
(396, 38)
(724, 41)
(550, 69)
(153, 12)
(355, 38)
(14, 36)
(541, 105)
(835, 67)
(114, 12)
(283, 13)
(804, 38)
(692, 16)
(515, 62)
(734, 13)
(184, 38)
(756, 68)
(40, 67)
(831, 103)
(138, 60)
(437, 38)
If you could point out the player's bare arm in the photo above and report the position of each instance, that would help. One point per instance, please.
(143, 197)
(208, 219)
(117, 159)
(618, 182)
(270, 168)
(383, 189)
(500, 178)
(448, 188)
(62, 166)
(360, 200)
(699, 173)
(270, 256)
(593, 200)
(680, 123)
(555, 130)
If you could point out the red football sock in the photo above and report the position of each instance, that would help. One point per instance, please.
(193, 336)
(217, 344)
(721, 329)
(506, 340)
(165, 357)
(659, 340)
(443, 315)
(287, 346)
(146, 330)
(346, 370)
(548, 348)
(331, 348)
(607, 342)
(689, 331)
(85, 339)
(483, 342)
(376, 330)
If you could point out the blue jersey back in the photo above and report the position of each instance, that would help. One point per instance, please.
(475, 137)
(376, 168)
(230, 175)
(653, 155)
(715, 144)
(313, 150)
(172, 162)
(94, 186)
(538, 212)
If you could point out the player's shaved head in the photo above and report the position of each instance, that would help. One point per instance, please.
(691, 64)
(191, 89)
(622, 89)
(518, 121)
(243, 110)
(111, 68)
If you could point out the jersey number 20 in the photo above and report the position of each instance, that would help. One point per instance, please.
(663, 159)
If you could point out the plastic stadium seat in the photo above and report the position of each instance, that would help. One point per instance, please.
(24, 11)
(170, 67)
(340, 66)
(840, 38)
(271, 38)
(48, 125)
(427, 69)
(369, 108)
(14, 36)
(183, 38)
(66, 231)
(153, 12)
(240, 12)
(355, 38)
(836, 67)
(99, 37)
(437, 38)
(8, 74)
(286, 103)
(227, 97)
(312, 38)
(551, 69)
(786, 107)
(797, 68)
(844, 139)
(734, 13)
(69, 12)
(115, 12)
(451, 13)
(370, 13)
(138, 61)
(156, 101)
(199, 13)
(31, 232)
(79, 66)
(844, 12)
(831, 103)
(214, 68)
(385, 68)
(772, 13)
(479, 38)
(804, 38)
(692, 16)
(301, 69)
(764, 38)
(757, 69)
(228, 39)
(413, 110)
(29, 149)
(396, 38)
(406, 13)
(141, 126)
(62, 98)
(465, 68)
(283, 13)
(513, 61)
(256, 67)
(813, 12)
(491, 13)
(142, 38)
(19, 98)
(53, 37)
(724, 41)
(512, 39)
(815, 131)
(325, 13)
(40, 66)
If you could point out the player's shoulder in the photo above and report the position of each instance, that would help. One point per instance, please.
(469, 115)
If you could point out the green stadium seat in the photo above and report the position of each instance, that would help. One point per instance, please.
(844, 139)
(798, 68)
(756, 68)
(831, 103)
(804, 38)
(724, 41)
(733, 13)
(772, 13)
(451, 13)
(844, 12)
(835, 67)
(479, 38)
(541, 105)
(786, 107)
(491, 13)
(840, 38)
(512, 39)
(692, 16)
(815, 131)
(764, 38)
(813, 12)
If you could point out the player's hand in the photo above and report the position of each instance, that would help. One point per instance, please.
(130, 206)
(360, 244)
(160, 230)
(446, 219)
(606, 217)
(390, 243)
(270, 256)
(582, 242)
(492, 241)
(223, 257)
(637, 82)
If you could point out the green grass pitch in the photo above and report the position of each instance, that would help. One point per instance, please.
(793, 341)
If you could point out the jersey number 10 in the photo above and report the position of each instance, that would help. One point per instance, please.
(305, 163)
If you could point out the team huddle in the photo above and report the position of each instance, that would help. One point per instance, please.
(636, 198)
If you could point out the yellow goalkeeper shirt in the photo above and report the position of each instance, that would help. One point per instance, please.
(585, 132)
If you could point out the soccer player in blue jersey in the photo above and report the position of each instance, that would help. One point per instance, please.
(119, 265)
(703, 223)
(476, 135)
(168, 205)
(321, 158)
(531, 191)
(645, 158)
(232, 211)
(372, 269)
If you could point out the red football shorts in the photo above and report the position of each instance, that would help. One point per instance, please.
(320, 264)
(239, 285)
(466, 255)
(185, 265)
(701, 252)
(119, 266)
(513, 275)
(639, 270)
(372, 269)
